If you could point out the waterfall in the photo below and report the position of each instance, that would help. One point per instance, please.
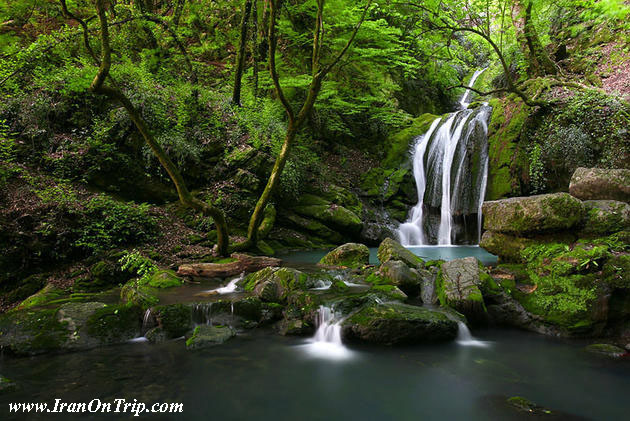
(465, 338)
(230, 287)
(450, 165)
(327, 343)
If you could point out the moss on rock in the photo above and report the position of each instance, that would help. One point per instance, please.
(351, 255)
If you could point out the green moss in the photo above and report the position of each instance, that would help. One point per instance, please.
(46, 295)
(164, 279)
(114, 323)
(27, 332)
(141, 295)
(174, 319)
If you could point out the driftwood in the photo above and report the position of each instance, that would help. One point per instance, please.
(244, 263)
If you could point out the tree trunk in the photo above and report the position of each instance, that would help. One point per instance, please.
(240, 56)
(538, 61)
(255, 50)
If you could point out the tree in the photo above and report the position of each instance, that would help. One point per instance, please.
(240, 56)
(295, 120)
(538, 61)
(99, 86)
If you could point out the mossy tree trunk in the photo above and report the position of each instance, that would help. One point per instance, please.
(98, 86)
(538, 61)
(295, 122)
(240, 56)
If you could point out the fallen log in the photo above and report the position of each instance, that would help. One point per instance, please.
(243, 263)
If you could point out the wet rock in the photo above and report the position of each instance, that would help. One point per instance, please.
(398, 324)
(606, 350)
(507, 247)
(174, 319)
(205, 336)
(606, 217)
(408, 280)
(295, 327)
(427, 286)
(533, 214)
(392, 250)
(135, 293)
(7, 385)
(458, 286)
(157, 335)
(601, 184)
(273, 285)
(351, 255)
(331, 214)
(164, 279)
(47, 294)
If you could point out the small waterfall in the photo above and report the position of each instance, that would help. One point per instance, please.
(202, 313)
(465, 338)
(230, 287)
(450, 165)
(327, 343)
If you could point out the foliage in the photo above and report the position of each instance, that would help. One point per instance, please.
(138, 264)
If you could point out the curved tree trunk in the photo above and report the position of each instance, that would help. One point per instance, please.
(240, 56)
(538, 61)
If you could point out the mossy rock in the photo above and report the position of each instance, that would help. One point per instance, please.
(398, 324)
(401, 276)
(27, 287)
(606, 217)
(351, 255)
(533, 214)
(205, 336)
(606, 350)
(332, 215)
(616, 271)
(135, 293)
(32, 332)
(7, 385)
(313, 226)
(114, 323)
(601, 184)
(44, 296)
(273, 284)
(174, 319)
(391, 292)
(457, 286)
(164, 278)
(392, 250)
(103, 275)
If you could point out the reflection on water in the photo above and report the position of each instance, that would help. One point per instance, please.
(266, 377)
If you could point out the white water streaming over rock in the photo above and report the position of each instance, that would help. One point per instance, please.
(465, 338)
(327, 343)
(450, 166)
(230, 287)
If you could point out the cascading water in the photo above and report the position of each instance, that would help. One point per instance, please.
(450, 166)
(465, 338)
(327, 343)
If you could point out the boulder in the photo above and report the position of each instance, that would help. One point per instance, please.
(175, 320)
(408, 280)
(332, 215)
(507, 247)
(72, 327)
(398, 324)
(241, 263)
(606, 350)
(392, 250)
(606, 217)
(352, 255)
(533, 214)
(164, 279)
(458, 287)
(601, 184)
(205, 336)
(273, 285)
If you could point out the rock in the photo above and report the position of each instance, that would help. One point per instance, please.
(393, 250)
(408, 280)
(274, 284)
(47, 294)
(72, 327)
(7, 385)
(601, 184)
(243, 263)
(140, 295)
(205, 336)
(606, 350)
(295, 327)
(507, 247)
(533, 214)
(616, 271)
(164, 279)
(174, 319)
(157, 335)
(313, 226)
(352, 255)
(458, 286)
(427, 286)
(398, 324)
(331, 214)
(606, 217)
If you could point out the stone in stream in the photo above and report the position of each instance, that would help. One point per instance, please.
(7, 385)
(601, 184)
(398, 324)
(533, 214)
(458, 287)
(353, 255)
(393, 250)
(242, 263)
(606, 350)
(405, 278)
(205, 336)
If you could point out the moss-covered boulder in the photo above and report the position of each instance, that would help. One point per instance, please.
(533, 214)
(606, 350)
(458, 285)
(605, 217)
(330, 214)
(7, 385)
(353, 255)
(616, 271)
(174, 319)
(274, 284)
(139, 294)
(164, 279)
(392, 250)
(206, 336)
(402, 276)
(507, 247)
(71, 327)
(49, 293)
(601, 184)
(398, 324)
